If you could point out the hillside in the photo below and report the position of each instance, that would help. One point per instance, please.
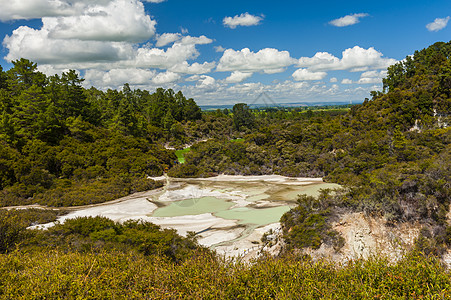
(64, 145)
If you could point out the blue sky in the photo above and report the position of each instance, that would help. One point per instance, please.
(224, 53)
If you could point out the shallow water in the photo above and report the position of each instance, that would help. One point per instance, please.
(195, 206)
(227, 213)
(257, 216)
(222, 208)
(262, 203)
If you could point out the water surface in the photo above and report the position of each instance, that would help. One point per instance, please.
(195, 206)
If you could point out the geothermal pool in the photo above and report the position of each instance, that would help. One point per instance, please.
(228, 213)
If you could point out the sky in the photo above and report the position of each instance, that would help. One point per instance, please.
(224, 53)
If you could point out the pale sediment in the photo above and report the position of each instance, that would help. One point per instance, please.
(234, 229)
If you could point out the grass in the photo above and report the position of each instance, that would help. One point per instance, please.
(237, 140)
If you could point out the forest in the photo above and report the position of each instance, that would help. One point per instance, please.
(65, 145)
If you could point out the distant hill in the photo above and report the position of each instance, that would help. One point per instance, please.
(282, 105)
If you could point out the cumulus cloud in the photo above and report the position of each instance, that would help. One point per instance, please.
(219, 49)
(318, 60)
(195, 68)
(37, 46)
(51, 70)
(175, 56)
(280, 92)
(354, 59)
(102, 39)
(31, 9)
(304, 74)
(206, 81)
(245, 19)
(348, 20)
(372, 77)
(165, 59)
(115, 78)
(201, 40)
(36, 9)
(274, 71)
(102, 31)
(167, 38)
(333, 80)
(205, 85)
(238, 76)
(347, 81)
(118, 21)
(438, 24)
(268, 60)
(165, 77)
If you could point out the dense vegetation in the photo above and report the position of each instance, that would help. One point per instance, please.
(392, 152)
(110, 275)
(93, 235)
(62, 145)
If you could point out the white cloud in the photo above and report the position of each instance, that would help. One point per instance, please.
(201, 40)
(37, 46)
(165, 59)
(205, 85)
(166, 77)
(206, 81)
(348, 20)
(245, 19)
(100, 38)
(347, 81)
(115, 78)
(117, 21)
(274, 71)
(304, 74)
(318, 60)
(50, 70)
(103, 31)
(36, 9)
(219, 49)
(193, 78)
(438, 24)
(288, 91)
(267, 60)
(238, 76)
(354, 59)
(31, 9)
(333, 80)
(366, 80)
(195, 68)
(374, 74)
(167, 38)
(372, 77)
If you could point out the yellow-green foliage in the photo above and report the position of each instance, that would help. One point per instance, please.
(95, 191)
(13, 224)
(109, 275)
(181, 154)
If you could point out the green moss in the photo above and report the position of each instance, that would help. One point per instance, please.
(181, 154)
